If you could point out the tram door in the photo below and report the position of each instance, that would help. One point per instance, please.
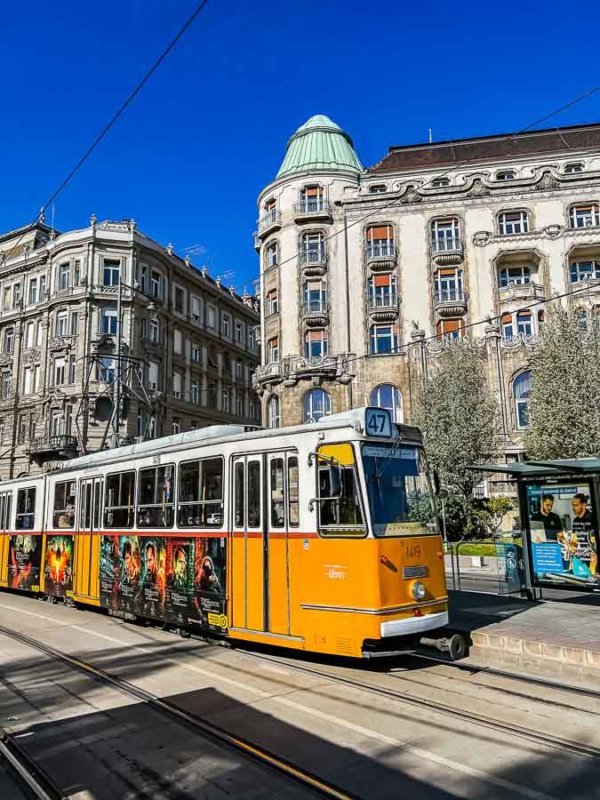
(248, 544)
(86, 574)
(283, 517)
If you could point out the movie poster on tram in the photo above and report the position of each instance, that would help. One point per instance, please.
(58, 566)
(120, 567)
(24, 555)
(179, 555)
(208, 605)
(109, 572)
(152, 583)
(564, 536)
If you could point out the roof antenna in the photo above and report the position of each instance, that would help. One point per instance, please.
(52, 223)
(430, 136)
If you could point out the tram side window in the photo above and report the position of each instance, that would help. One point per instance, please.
(200, 499)
(293, 492)
(254, 494)
(238, 494)
(120, 500)
(339, 506)
(277, 494)
(64, 505)
(25, 509)
(155, 497)
(5, 507)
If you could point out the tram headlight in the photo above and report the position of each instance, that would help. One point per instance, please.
(418, 590)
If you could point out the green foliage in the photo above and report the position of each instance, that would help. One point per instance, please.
(458, 415)
(472, 518)
(564, 408)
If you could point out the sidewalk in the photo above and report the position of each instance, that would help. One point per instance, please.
(558, 638)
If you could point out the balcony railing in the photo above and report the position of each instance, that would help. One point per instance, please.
(450, 296)
(52, 444)
(312, 207)
(381, 249)
(446, 250)
(315, 306)
(269, 220)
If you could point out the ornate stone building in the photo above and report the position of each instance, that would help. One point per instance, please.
(187, 344)
(367, 273)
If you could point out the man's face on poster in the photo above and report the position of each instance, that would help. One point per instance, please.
(547, 504)
(150, 560)
(578, 507)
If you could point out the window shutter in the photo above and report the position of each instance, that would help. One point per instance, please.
(312, 191)
(380, 232)
(506, 319)
(447, 273)
(381, 280)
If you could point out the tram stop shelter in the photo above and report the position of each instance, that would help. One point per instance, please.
(559, 504)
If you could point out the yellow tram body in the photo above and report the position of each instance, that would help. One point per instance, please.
(318, 537)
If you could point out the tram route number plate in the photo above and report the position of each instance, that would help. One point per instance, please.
(378, 422)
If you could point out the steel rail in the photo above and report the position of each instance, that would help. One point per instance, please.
(217, 734)
(510, 729)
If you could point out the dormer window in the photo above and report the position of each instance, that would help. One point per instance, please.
(505, 175)
(573, 167)
(377, 188)
(584, 216)
(512, 223)
(439, 183)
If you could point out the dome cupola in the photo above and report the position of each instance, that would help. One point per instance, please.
(320, 144)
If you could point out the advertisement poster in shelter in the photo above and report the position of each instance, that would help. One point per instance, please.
(24, 554)
(58, 566)
(564, 534)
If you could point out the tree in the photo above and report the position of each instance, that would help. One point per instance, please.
(564, 406)
(458, 415)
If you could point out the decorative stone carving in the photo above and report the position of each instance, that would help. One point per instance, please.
(6, 360)
(553, 231)
(187, 260)
(481, 238)
(478, 189)
(169, 249)
(547, 182)
(30, 355)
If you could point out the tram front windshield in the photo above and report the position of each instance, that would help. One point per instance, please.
(399, 491)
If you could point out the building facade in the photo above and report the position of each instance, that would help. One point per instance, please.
(105, 317)
(366, 274)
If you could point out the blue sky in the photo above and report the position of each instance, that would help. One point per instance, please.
(190, 155)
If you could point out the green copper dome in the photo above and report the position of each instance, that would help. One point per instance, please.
(319, 144)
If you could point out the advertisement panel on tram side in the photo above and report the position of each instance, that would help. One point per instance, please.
(564, 534)
(24, 556)
(58, 565)
(179, 580)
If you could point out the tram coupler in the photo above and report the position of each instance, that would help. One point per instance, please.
(454, 645)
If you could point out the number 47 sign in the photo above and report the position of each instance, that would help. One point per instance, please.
(378, 422)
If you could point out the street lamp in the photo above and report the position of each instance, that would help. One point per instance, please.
(117, 390)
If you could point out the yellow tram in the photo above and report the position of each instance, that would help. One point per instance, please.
(316, 537)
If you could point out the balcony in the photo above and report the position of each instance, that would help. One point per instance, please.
(47, 448)
(269, 222)
(520, 291)
(447, 250)
(64, 342)
(450, 302)
(267, 373)
(381, 256)
(383, 307)
(315, 314)
(311, 209)
(313, 261)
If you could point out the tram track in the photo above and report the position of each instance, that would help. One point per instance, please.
(482, 720)
(209, 730)
(533, 680)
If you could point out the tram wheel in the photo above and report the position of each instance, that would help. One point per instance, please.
(457, 646)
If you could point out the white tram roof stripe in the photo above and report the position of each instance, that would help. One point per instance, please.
(214, 434)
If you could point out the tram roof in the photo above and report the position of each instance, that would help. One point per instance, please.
(539, 469)
(214, 434)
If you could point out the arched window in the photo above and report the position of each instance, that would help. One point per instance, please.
(388, 396)
(273, 412)
(521, 392)
(317, 404)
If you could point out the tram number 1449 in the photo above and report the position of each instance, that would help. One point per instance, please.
(413, 551)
